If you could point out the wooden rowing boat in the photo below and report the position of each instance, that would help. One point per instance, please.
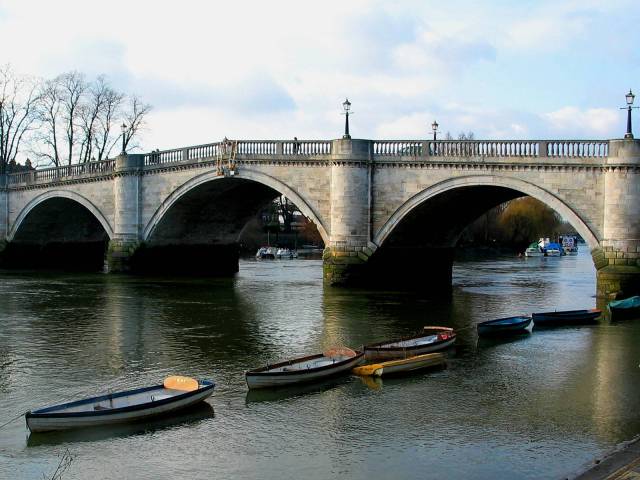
(304, 369)
(403, 365)
(624, 309)
(566, 317)
(431, 339)
(504, 326)
(176, 393)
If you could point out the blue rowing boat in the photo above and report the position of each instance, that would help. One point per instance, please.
(504, 326)
(566, 317)
(627, 308)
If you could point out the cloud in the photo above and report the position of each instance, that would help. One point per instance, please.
(581, 123)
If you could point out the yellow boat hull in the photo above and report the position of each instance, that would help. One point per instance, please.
(401, 365)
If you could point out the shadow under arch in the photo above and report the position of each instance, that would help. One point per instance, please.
(59, 230)
(59, 194)
(526, 188)
(245, 174)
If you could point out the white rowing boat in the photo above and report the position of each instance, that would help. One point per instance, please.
(304, 369)
(431, 339)
(176, 393)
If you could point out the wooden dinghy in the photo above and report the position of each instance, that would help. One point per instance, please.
(504, 326)
(431, 339)
(304, 369)
(624, 309)
(566, 317)
(176, 393)
(403, 365)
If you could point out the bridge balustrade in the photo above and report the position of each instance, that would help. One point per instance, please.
(397, 148)
(581, 148)
(380, 149)
(52, 174)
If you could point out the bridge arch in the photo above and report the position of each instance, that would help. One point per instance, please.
(245, 174)
(522, 186)
(59, 194)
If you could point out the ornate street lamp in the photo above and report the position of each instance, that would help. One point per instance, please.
(346, 105)
(629, 97)
(123, 127)
(434, 127)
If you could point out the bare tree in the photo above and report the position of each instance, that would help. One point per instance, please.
(73, 87)
(79, 117)
(103, 139)
(47, 136)
(19, 98)
(134, 118)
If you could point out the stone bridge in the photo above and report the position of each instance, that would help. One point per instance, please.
(390, 212)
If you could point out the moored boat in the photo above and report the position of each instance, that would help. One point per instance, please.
(176, 393)
(402, 365)
(502, 326)
(553, 250)
(627, 308)
(534, 250)
(304, 369)
(431, 339)
(566, 317)
(266, 253)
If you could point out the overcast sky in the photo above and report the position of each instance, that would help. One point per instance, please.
(279, 69)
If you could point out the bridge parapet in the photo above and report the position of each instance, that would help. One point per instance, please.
(492, 148)
(516, 151)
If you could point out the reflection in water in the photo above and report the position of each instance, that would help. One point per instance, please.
(180, 419)
(502, 406)
(287, 393)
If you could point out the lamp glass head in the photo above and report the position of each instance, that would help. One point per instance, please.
(630, 96)
(346, 105)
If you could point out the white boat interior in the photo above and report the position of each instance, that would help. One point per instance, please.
(109, 402)
(412, 342)
(309, 364)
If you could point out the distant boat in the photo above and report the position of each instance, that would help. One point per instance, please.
(176, 393)
(567, 317)
(569, 244)
(403, 365)
(623, 309)
(304, 369)
(286, 253)
(503, 326)
(266, 253)
(431, 339)
(533, 250)
(553, 250)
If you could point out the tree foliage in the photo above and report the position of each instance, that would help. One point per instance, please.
(515, 223)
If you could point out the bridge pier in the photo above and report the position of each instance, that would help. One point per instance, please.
(126, 194)
(349, 248)
(618, 258)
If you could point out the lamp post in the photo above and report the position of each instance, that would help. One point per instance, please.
(434, 127)
(347, 108)
(123, 127)
(629, 97)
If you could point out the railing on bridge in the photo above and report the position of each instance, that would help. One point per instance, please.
(253, 148)
(47, 175)
(307, 149)
(491, 148)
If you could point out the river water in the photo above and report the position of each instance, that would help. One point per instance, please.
(539, 406)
